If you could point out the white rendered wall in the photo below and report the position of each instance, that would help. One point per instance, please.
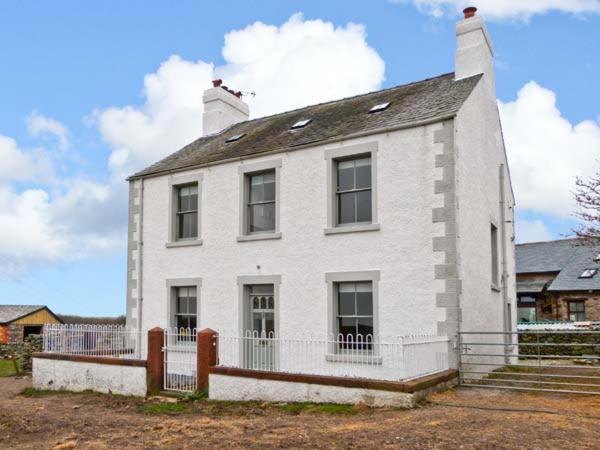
(57, 375)
(479, 156)
(231, 388)
(401, 250)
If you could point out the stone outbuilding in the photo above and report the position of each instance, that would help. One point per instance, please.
(19, 321)
(558, 281)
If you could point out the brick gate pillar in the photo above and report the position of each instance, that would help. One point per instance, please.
(206, 357)
(155, 362)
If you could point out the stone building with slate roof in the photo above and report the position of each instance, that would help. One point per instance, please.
(19, 321)
(558, 281)
(386, 214)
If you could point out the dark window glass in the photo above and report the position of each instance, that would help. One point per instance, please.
(187, 212)
(494, 253)
(577, 311)
(261, 202)
(355, 315)
(353, 190)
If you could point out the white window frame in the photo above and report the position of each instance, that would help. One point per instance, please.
(176, 182)
(332, 279)
(332, 156)
(245, 171)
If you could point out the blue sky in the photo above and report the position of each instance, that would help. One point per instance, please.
(73, 83)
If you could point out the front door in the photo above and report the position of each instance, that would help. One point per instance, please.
(260, 335)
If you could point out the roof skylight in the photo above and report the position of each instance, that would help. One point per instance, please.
(234, 138)
(301, 124)
(588, 273)
(379, 107)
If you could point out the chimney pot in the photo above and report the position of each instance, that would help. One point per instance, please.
(469, 12)
(217, 83)
(238, 94)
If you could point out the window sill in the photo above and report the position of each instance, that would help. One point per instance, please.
(187, 243)
(354, 359)
(495, 287)
(259, 237)
(353, 228)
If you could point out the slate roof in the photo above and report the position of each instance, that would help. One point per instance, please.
(10, 313)
(531, 287)
(568, 257)
(428, 99)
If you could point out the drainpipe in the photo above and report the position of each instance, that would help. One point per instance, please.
(504, 285)
(140, 286)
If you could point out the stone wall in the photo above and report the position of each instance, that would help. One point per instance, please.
(15, 333)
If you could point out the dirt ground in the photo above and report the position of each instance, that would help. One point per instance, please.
(463, 418)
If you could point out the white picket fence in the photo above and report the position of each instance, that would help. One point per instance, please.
(108, 341)
(384, 358)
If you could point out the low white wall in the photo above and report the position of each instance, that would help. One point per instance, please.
(227, 387)
(59, 375)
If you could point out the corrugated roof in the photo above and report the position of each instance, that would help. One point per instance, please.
(424, 100)
(568, 257)
(10, 313)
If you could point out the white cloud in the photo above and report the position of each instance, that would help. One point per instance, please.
(531, 231)
(62, 221)
(299, 63)
(546, 151)
(37, 227)
(521, 10)
(39, 125)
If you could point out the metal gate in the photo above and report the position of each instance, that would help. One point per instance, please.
(545, 360)
(180, 354)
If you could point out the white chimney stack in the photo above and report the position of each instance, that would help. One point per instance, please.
(222, 108)
(474, 51)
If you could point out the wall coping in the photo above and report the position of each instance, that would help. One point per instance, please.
(418, 384)
(92, 359)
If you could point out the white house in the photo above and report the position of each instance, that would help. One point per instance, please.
(384, 214)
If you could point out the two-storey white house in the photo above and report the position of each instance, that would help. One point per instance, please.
(384, 214)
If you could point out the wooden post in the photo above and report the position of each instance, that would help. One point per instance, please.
(155, 362)
(206, 340)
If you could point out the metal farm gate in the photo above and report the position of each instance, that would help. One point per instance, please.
(545, 360)
(179, 352)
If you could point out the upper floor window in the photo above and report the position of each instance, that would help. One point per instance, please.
(353, 191)
(187, 212)
(185, 203)
(261, 202)
(494, 254)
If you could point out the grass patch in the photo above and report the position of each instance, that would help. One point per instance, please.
(167, 408)
(7, 368)
(330, 408)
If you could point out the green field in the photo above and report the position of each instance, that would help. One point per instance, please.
(7, 368)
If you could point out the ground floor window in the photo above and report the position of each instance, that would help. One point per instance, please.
(526, 309)
(355, 315)
(186, 307)
(577, 310)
